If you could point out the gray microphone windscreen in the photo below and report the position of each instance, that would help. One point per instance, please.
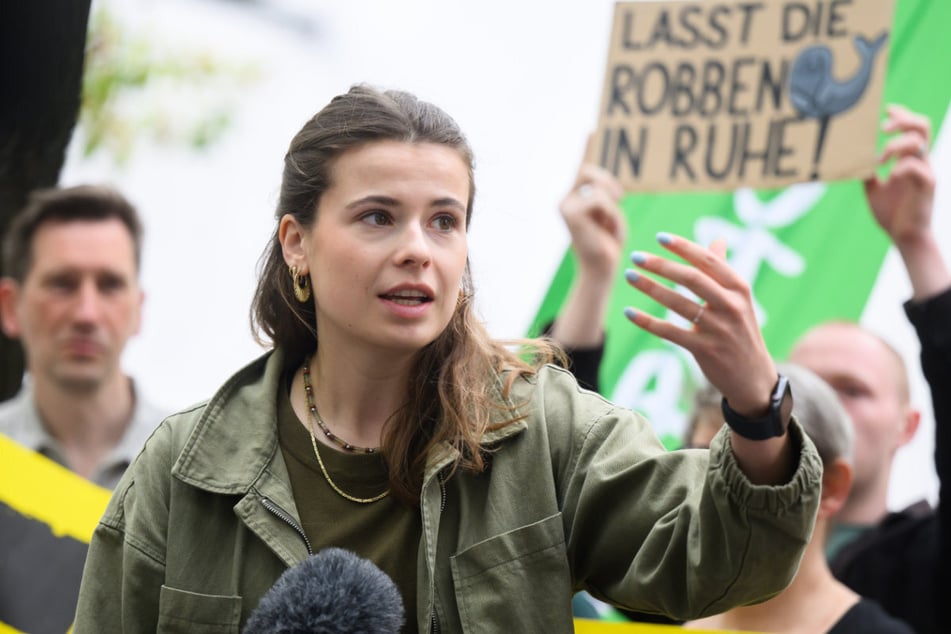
(331, 592)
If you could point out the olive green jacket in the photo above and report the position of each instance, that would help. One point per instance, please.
(579, 494)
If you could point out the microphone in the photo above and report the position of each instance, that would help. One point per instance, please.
(331, 592)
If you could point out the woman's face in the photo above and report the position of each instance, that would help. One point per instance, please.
(388, 249)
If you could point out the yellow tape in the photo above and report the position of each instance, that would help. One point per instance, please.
(38, 488)
(587, 626)
(6, 629)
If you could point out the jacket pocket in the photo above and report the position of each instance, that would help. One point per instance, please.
(183, 611)
(518, 581)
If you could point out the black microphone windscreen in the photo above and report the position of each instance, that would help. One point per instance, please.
(331, 592)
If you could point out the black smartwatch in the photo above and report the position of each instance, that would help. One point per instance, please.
(773, 424)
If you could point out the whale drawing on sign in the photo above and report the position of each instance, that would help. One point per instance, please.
(815, 92)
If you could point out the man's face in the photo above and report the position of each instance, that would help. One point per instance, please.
(78, 304)
(868, 380)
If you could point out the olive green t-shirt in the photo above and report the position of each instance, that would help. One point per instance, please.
(386, 532)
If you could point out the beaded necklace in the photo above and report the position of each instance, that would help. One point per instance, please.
(314, 416)
(312, 406)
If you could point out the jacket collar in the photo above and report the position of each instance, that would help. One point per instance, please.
(444, 454)
(235, 439)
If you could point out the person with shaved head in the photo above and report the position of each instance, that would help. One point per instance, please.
(902, 559)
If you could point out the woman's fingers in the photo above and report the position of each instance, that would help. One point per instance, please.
(707, 273)
(722, 302)
(677, 302)
(724, 337)
(658, 327)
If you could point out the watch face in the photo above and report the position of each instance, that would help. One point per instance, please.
(785, 405)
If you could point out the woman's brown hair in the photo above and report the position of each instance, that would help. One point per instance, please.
(454, 392)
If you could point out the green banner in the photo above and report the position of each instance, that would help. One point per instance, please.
(791, 245)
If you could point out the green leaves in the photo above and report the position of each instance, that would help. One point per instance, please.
(134, 89)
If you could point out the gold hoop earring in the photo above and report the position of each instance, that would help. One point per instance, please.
(301, 285)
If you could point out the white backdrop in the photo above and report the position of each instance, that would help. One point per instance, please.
(523, 80)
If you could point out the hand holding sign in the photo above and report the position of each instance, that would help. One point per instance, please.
(591, 213)
(593, 216)
(902, 203)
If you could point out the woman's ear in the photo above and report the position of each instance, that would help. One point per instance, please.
(291, 235)
(836, 485)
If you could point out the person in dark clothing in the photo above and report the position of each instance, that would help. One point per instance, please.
(901, 559)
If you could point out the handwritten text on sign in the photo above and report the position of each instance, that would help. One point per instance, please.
(718, 95)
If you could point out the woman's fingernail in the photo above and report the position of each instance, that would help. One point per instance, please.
(631, 275)
(638, 257)
(630, 313)
(664, 238)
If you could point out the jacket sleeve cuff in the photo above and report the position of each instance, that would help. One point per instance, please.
(805, 483)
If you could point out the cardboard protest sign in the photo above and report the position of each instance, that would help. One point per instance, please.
(810, 252)
(719, 95)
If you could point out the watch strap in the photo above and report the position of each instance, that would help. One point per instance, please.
(773, 424)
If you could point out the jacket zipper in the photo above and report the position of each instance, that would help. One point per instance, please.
(287, 519)
(442, 491)
(434, 624)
